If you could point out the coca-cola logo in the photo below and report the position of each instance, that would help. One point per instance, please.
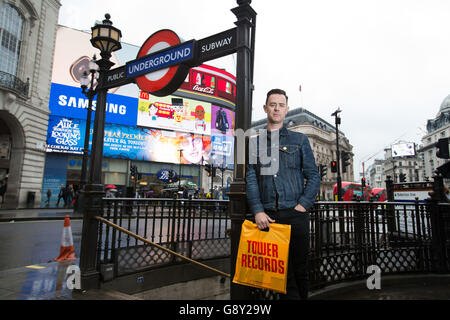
(203, 89)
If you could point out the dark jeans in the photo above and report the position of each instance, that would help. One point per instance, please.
(297, 277)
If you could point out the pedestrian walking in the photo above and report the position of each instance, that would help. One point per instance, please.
(3, 187)
(196, 193)
(61, 195)
(278, 193)
(69, 196)
(202, 194)
(49, 195)
(185, 193)
(215, 194)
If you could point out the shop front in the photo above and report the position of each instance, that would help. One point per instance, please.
(65, 170)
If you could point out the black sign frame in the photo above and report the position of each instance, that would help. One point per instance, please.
(223, 46)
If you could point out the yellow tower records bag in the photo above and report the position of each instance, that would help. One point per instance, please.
(262, 258)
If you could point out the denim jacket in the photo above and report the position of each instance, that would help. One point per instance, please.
(287, 186)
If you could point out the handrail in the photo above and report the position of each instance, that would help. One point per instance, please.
(161, 247)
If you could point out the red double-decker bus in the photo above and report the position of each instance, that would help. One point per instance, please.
(378, 195)
(352, 189)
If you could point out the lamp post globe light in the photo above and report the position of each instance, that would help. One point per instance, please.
(106, 38)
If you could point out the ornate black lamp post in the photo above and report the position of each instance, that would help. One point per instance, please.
(106, 38)
(338, 153)
(90, 92)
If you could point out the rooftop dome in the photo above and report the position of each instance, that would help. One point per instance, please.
(445, 105)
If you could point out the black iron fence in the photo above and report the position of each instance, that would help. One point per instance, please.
(346, 237)
(196, 229)
(397, 237)
(349, 237)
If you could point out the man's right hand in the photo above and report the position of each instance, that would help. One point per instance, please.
(263, 221)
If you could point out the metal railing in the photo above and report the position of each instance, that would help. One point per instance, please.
(399, 238)
(348, 237)
(196, 229)
(13, 83)
(345, 237)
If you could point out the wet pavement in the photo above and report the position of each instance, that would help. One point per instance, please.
(48, 282)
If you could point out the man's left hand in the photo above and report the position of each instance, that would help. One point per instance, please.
(300, 208)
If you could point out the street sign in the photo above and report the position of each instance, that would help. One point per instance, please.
(217, 46)
(163, 62)
(164, 175)
(161, 59)
(116, 77)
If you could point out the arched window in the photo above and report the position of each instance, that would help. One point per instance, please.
(11, 24)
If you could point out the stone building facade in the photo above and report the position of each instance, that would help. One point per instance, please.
(322, 137)
(27, 33)
(437, 128)
(375, 174)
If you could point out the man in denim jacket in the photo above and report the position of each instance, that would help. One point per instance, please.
(282, 185)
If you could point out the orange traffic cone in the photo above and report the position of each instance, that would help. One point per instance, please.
(67, 251)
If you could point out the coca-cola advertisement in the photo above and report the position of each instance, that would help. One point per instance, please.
(211, 81)
(174, 113)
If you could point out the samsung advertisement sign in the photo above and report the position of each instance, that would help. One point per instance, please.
(68, 101)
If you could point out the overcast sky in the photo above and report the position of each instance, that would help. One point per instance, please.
(385, 63)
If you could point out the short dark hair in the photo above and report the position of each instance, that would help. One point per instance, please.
(276, 91)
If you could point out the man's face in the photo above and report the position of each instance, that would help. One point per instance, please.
(276, 108)
(192, 148)
(200, 113)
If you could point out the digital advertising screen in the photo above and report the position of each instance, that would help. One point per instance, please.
(222, 121)
(174, 113)
(139, 126)
(403, 150)
(66, 135)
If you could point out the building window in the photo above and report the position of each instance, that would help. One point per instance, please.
(11, 24)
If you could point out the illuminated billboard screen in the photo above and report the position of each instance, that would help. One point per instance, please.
(403, 150)
(174, 113)
(66, 135)
(222, 121)
(164, 124)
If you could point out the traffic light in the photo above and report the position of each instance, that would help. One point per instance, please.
(334, 166)
(208, 168)
(213, 171)
(322, 171)
(402, 177)
(345, 156)
(442, 147)
(363, 183)
(133, 171)
(444, 170)
(171, 176)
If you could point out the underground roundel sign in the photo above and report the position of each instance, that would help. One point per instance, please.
(160, 61)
